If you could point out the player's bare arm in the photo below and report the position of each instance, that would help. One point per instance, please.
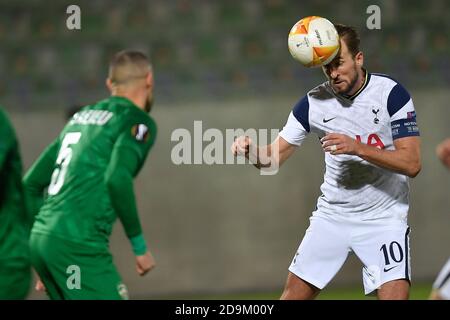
(443, 152)
(405, 159)
(263, 156)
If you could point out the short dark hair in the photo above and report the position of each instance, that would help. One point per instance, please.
(128, 64)
(350, 36)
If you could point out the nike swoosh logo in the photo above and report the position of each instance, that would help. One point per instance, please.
(388, 269)
(326, 120)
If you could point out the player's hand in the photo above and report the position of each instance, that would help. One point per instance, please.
(144, 263)
(337, 143)
(443, 152)
(241, 146)
(39, 286)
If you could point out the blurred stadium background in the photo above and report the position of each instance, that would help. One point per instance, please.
(225, 230)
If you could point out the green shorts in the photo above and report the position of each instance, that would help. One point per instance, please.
(15, 279)
(74, 271)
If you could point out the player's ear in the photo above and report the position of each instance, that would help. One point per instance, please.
(109, 84)
(359, 58)
(149, 79)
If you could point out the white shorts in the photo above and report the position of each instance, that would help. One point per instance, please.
(442, 283)
(382, 246)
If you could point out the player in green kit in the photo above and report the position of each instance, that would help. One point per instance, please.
(15, 271)
(83, 181)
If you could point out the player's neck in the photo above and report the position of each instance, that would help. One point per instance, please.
(138, 99)
(359, 83)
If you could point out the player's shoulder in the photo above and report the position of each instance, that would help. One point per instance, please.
(320, 92)
(128, 115)
(125, 109)
(387, 81)
(136, 115)
(393, 87)
(143, 126)
(396, 95)
(377, 76)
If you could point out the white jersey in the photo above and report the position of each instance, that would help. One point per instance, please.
(380, 112)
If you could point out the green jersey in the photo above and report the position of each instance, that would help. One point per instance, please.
(13, 212)
(87, 173)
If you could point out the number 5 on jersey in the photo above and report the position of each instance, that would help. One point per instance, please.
(62, 162)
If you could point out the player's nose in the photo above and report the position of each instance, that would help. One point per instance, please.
(333, 74)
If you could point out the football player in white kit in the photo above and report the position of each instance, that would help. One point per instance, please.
(366, 123)
(441, 286)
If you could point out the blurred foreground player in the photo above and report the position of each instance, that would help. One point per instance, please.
(15, 271)
(441, 286)
(88, 173)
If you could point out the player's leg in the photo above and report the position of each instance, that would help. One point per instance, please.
(15, 279)
(394, 290)
(298, 289)
(321, 254)
(38, 244)
(99, 280)
(15, 266)
(74, 271)
(383, 247)
(86, 273)
(52, 289)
